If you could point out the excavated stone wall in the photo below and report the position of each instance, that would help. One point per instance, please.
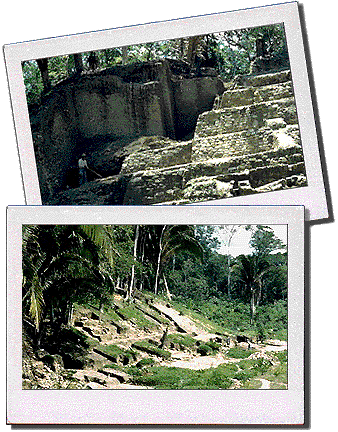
(120, 104)
(247, 142)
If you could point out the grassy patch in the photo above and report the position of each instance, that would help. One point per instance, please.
(116, 366)
(151, 349)
(183, 341)
(134, 315)
(110, 313)
(278, 374)
(239, 353)
(117, 354)
(208, 348)
(145, 362)
(251, 369)
(278, 386)
(161, 377)
(252, 384)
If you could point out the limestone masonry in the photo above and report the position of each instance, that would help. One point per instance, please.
(157, 133)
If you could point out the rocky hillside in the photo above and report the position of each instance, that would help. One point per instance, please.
(150, 344)
(249, 142)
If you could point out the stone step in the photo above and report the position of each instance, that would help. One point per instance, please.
(121, 376)
(252, 95)
(185, 182)
(244, 118)
(247, 142)
(262, 79)
(174, 154)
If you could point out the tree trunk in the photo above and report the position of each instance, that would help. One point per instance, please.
(252, 307)
(158, 268)
(132, 279)
(166, 288)
(229, 278)
(43, 67)
(93, 61)
(78, 63)
(124, 55)
(157, 272)
(193, 43)
(70, 313)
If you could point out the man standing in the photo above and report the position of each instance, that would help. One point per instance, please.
(83, 169)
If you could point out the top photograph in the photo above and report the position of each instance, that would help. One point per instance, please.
(200, 118)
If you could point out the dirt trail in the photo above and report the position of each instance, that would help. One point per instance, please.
(265, 384)
(198, 362)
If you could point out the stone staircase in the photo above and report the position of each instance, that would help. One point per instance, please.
(248, 143)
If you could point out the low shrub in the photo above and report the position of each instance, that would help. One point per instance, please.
(145, 362)
(161, 377)
(240, 353)
(151, 349)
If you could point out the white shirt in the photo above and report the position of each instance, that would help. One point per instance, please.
(82, 163)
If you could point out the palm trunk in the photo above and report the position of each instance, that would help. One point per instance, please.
(229, 278)
(70, 313)
(166, 288)
(157, 277)
(132, 279)
(252, 308)
(158, 267)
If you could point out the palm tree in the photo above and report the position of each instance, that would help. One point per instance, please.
(171, 239)
(251, 269)
(61, 264)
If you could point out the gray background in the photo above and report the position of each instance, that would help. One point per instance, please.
(23, 21)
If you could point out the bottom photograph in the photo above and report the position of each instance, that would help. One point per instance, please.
(154, 307)
(155, 315)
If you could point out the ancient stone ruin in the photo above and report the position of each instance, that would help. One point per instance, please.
(159, 132)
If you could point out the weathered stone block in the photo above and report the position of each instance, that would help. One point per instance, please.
(206, 188)
(264, 80)
(273, 92)
(233, 144)
(252, 117)
(170, 154)
(239, 97)
(267, 174)
(275, 123)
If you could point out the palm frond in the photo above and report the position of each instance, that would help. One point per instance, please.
(36, 301)
(102, 236)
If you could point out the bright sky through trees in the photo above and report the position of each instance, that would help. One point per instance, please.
(240, 241)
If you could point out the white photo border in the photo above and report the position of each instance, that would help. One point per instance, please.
(149, 407)
(312, 196)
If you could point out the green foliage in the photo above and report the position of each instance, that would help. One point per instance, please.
(117, 354)
(239, 353)
(230, 53)
(151, 349)
(161, 377)
(184, 341)
(136, 317)
(264, 241)
(145, 362)
(208, 348)
(252, 384)
(278, 386)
